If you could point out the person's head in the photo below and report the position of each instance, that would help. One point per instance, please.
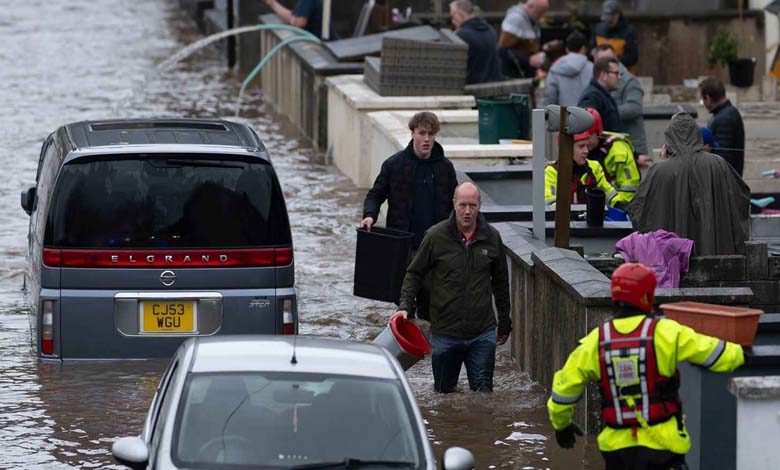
(634, 284)
(461, 11)
(581, 143)
(708, 139)
(595, 130)
(610, 13)
(604, 50)
(576, 42)
(712, 92)
(606, 71)
(424, 127)
(467, 201)
(536, 8)
(682, 136)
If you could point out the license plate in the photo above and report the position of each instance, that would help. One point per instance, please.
(168, 316)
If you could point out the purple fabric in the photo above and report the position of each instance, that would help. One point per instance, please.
(663, 252)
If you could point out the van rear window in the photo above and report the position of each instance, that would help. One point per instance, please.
(176, 201)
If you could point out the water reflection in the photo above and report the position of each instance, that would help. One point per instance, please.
(65, 416)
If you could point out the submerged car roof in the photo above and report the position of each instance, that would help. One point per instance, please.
(149, 132)
(253, 353)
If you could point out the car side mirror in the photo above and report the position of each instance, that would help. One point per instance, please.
(131, 452)
(28, 200)
(458, 458)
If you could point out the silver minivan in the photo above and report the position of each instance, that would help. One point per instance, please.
(144, 232)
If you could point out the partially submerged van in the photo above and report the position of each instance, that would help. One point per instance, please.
(146, 232)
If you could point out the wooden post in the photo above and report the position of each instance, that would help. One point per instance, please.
(563, 196)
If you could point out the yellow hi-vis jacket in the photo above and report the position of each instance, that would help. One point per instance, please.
(551, 182)
(673, 343)
(620, 166)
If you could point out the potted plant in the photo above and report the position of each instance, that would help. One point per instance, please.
(724, 50)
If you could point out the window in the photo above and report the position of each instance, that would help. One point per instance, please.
(168, 202)
(282, 420)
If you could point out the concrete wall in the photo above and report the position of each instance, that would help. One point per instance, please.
(293, 81)
(758, 426)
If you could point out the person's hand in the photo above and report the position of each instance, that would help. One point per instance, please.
(644, 160)
(501, 339)
(399, 313)
(537, 60)
(566, 438)
(368, 222)
(269, 2)
(662, 154)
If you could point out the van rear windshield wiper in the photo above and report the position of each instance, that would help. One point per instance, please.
(355, 463)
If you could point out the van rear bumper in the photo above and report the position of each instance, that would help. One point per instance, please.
(102, 324)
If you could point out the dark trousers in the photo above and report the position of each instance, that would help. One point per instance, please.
(448, 355)
(643, 458)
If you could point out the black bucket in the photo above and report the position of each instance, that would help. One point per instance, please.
(381, 257)
(741, 72)
(594, 207)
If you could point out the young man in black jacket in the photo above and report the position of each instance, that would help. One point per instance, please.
(418, 184)
(483, 64)
(726, 122)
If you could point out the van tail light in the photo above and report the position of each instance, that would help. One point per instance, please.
(288, 322)
(47, 328)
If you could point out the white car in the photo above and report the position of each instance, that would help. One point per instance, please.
(276, 402)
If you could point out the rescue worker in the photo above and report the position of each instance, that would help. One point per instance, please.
(633, 358)
(616, 155)
(586, 174)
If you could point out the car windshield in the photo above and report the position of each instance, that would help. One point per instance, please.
(170, 201)
(281, 420)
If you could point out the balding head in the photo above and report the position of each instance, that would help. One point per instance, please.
(536, 8)
(467, 201)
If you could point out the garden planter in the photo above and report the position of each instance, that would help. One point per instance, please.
(735, 324)
(741, 72)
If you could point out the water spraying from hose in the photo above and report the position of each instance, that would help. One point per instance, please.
(187, 51)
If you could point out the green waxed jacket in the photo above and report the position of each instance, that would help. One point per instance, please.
(463, 280)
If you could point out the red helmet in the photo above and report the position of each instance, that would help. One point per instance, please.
(634, 283)
(582, 136)
(598, 126)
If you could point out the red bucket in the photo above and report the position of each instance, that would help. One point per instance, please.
(405, 341)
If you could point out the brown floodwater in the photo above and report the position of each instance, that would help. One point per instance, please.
(65, 61)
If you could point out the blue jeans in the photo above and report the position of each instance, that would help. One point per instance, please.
(448, 354)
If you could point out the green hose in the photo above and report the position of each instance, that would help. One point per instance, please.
(305, 37)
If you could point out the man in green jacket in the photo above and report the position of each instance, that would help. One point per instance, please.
(464, 259)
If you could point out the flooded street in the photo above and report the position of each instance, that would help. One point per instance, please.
(74, 60)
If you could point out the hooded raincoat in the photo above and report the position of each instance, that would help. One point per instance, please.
(695, 194)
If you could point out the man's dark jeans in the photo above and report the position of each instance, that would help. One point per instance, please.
(448, 354)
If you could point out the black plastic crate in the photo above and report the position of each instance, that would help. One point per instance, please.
(381, 257)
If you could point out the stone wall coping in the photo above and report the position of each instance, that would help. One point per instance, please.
(572, 272)
(719, 295)
(756, 388)
(519, 243)
(360, 96)
(394, 126)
